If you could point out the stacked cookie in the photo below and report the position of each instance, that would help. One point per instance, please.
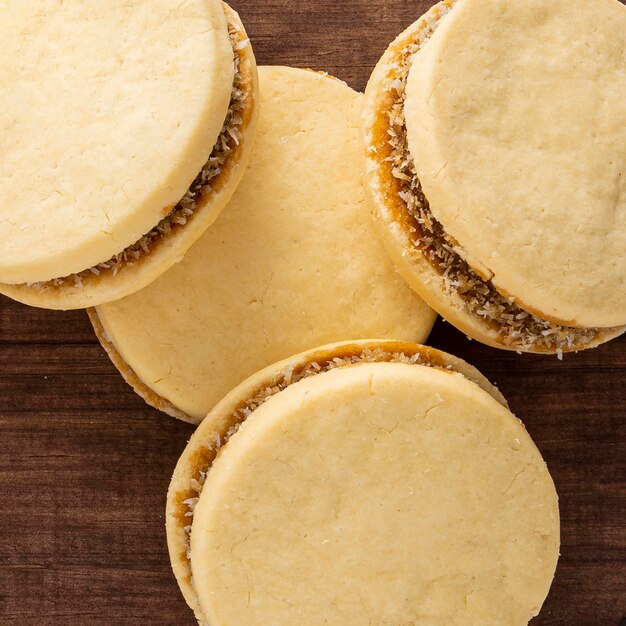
(362, 483)
(496, 143)
(216, 221)
(126, 131)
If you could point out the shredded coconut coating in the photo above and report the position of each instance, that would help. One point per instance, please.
(200, 188)
(517, 329)
(289, 377)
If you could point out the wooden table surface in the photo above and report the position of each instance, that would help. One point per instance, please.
(84, 464)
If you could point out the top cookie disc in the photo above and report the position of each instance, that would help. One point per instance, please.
(515, 119)
(379, 493)
(110, 111)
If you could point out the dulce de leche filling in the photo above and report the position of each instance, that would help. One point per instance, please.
(229, 137)
(515, 327)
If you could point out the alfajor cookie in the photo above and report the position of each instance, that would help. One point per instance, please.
(293, 262)
(125, 128)
(373, 482)
(496, 144)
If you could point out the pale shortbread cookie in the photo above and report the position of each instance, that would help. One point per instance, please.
(363, 483)
(125, 132)
(422, 250)
(293, 262)
(516, 121)
(224, 420)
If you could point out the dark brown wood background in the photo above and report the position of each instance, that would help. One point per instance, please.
(84, 464)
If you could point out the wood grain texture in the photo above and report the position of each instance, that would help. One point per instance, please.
(84, 464)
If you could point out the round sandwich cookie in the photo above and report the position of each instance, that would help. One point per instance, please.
(292, 263)
(370, 482)
(125, 128)
(495, 150)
